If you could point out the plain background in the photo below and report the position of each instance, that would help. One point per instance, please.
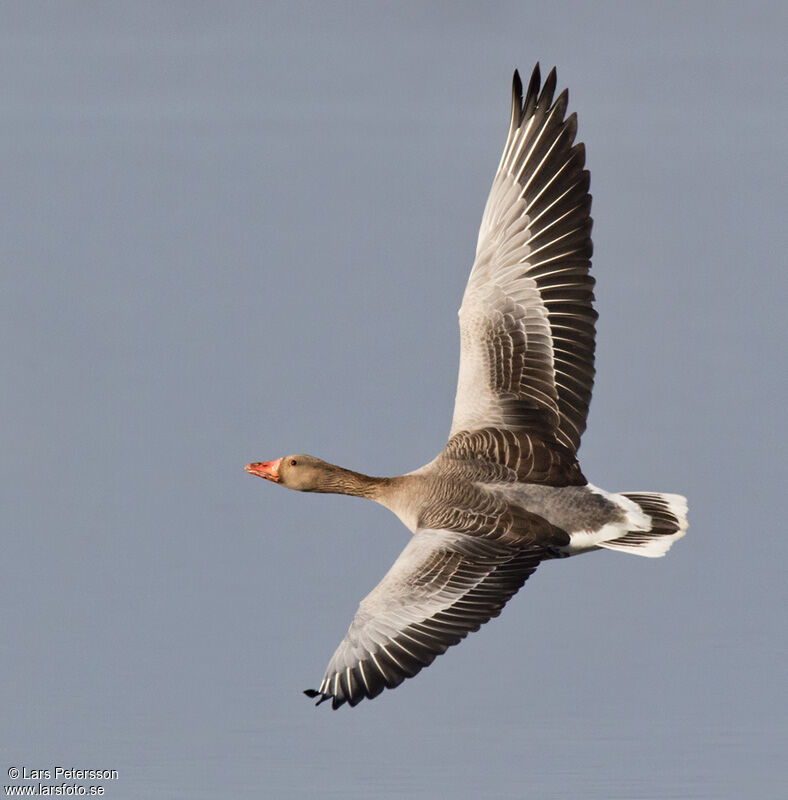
(232, 231)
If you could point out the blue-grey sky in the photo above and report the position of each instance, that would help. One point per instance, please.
(232, 231)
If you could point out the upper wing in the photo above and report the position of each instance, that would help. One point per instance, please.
(443, 585)
(526, 321)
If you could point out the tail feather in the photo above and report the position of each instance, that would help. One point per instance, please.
(668, 515)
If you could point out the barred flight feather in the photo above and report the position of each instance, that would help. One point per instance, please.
(537, 218)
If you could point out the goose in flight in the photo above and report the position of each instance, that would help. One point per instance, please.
(507, 491)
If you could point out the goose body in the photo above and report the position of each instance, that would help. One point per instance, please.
(507, 491)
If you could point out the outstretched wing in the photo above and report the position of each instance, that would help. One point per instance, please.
(526, 321)
(443, 585)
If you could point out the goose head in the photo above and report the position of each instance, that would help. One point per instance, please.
(300, 472)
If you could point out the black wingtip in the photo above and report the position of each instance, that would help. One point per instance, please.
(517, 91)
(548, 90)
(517, 101)
(536, 79)
(533, 91)
(313, 693)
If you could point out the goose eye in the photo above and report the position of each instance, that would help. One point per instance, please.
(293, 462)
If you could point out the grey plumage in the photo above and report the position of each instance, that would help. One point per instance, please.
(507, 491)
(443, 585)
(526, 320)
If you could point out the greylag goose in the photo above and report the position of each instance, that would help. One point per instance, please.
(507, 491)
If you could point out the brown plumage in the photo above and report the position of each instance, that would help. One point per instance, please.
(507, 491)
